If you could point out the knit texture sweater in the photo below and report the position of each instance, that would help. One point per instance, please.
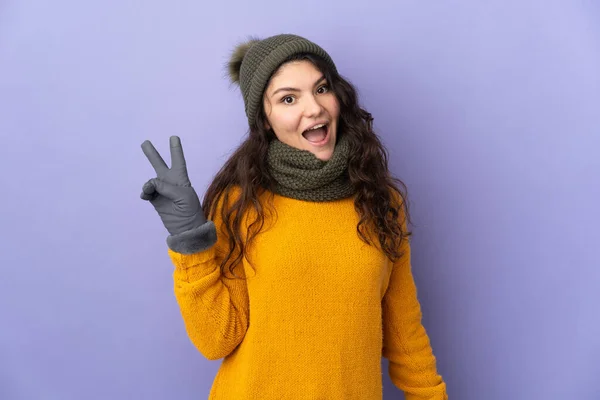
(317, 311)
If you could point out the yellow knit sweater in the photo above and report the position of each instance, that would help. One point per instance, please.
(317, 312)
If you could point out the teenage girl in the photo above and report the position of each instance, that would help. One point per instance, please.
(295, 268)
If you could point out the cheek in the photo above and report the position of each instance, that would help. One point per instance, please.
(288, 121)
(333, 106)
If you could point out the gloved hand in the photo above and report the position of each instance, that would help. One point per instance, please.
(176, 201)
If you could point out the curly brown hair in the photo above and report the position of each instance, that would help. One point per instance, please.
(380, 199)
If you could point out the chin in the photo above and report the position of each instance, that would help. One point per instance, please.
(323, 155)
(323, 158)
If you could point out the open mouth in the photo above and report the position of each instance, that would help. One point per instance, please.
(317, 135)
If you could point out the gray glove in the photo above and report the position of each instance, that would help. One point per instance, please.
(176, 201)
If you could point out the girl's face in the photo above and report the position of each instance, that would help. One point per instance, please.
(297, 99)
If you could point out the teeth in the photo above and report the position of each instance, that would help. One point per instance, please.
(316, 127)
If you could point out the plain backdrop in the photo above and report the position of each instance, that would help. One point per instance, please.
(490, 111)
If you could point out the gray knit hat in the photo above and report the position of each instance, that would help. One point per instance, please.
(253, 62)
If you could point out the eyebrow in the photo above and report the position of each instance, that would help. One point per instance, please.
(291, 89)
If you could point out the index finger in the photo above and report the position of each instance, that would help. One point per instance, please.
(155, 159)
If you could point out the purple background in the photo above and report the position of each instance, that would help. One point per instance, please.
(490, 112)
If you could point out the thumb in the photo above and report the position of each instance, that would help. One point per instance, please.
(165, 189)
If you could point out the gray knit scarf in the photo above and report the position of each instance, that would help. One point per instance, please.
(299, 174)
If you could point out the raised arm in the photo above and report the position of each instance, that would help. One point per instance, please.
(214, 309)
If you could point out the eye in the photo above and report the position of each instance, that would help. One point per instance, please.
(325, 89)
(286, 98)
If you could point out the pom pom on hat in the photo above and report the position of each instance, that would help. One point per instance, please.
(237, 56)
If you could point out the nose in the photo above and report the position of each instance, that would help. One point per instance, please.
(312, 107)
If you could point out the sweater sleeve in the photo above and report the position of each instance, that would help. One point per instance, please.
(214, 308)
(412, 365)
